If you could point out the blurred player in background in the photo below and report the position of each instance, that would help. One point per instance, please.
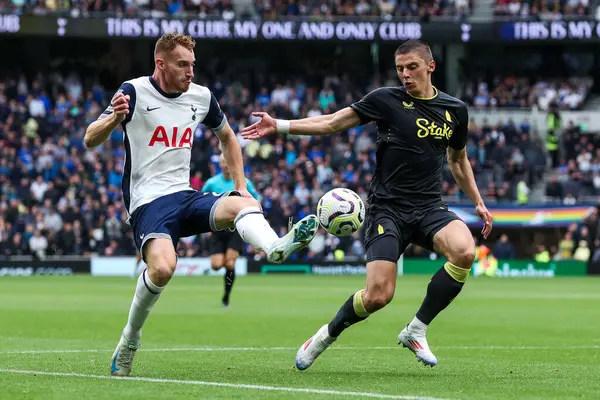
(159, 114)
(417, 127)
(225, 246)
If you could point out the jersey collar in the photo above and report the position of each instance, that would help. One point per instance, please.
(162, 92)
(426, 98)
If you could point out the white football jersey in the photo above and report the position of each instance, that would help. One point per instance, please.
(158, 136)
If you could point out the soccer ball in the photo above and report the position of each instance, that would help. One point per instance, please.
(341, 212)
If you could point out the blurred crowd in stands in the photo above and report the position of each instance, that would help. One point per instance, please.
(580, 242)
(514, 91)
(542, 9)
(231, 9)
(273, 9)
(577, 243)
(363, 8)
(576, 175)
(57, 197)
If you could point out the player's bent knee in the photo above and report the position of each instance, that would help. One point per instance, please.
(230, 260)
(241, 203)
(230, 264)
(161, 260)
(378, 297)
(463, 255)
(381, 283)
(216, 261)
(456, 243)
(162, 272)
(230, 207)
(235, 203)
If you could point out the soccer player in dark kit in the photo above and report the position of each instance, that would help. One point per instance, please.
(417, 127)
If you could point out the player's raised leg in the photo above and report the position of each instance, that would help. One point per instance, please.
(246, 215)
(455, 242)
(384, 247)
(161, 259)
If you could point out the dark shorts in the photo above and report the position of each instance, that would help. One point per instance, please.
(176, 215)
(219, 242)
(390, 230)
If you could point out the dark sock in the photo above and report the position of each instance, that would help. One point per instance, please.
(229, 278)
(351, 312)
(444, 286)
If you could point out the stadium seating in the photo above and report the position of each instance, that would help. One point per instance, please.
(57, 197)
(515, 91)
(363, 8)
(541, 9)
(577, 178)
(269, 9)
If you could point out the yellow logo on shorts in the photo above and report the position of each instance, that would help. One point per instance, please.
(380, 229)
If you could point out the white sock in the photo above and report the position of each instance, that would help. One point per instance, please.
(254, 228)
(146, 295)
(417, 325)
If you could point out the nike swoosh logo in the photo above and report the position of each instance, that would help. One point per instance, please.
(113, 366)
(151, 109)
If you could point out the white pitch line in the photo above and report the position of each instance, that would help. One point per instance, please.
(209, 349)
(168, 349)
(222, 384)
(491, 347)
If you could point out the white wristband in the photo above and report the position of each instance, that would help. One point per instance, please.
(283, 126)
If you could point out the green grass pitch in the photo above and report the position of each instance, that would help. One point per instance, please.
(500, 339)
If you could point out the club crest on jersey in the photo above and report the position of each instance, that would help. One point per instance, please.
(173, 140)
(430, 128)
(194, 111)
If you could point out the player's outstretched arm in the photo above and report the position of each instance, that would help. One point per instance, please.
(328, 124)
(461, 168)
(463, 173)
(99, 130)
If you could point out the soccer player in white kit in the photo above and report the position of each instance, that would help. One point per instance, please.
(159, 114)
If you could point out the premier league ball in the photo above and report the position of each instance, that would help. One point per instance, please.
(341, 212)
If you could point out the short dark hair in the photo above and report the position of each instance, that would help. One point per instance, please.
(417, 46)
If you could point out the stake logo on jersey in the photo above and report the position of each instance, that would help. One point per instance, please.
(433, 129)
(159, 135)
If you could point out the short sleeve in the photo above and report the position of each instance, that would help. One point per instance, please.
(459, 140)
(215, 119)
(127, 89)
(370, 108)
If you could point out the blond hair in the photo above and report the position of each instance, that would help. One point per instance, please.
(169, 41)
